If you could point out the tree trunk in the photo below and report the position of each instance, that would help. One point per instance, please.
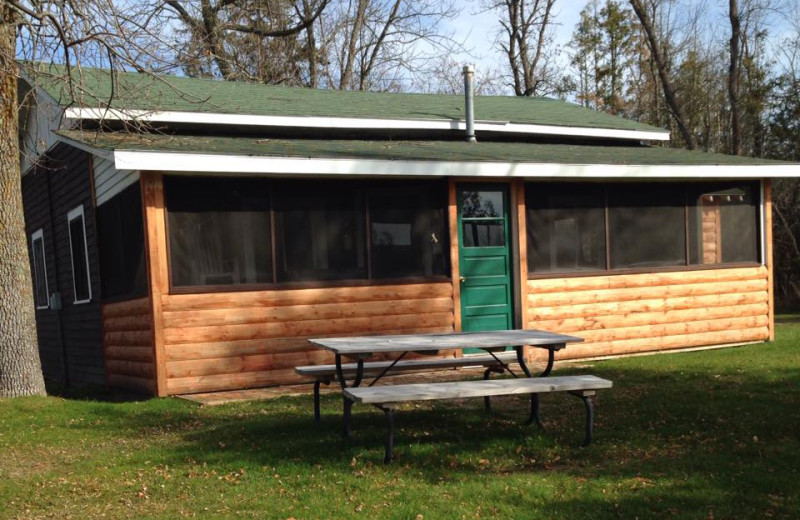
(733, 77)
(346, 79)
(20, 368)
(661, 67)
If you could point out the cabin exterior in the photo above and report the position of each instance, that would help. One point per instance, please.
(200, 256)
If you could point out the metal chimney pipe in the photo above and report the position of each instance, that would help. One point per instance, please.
(469, 73)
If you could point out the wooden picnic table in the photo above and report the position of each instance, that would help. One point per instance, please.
(363, 347)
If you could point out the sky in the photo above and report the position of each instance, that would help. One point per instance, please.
(478, 28)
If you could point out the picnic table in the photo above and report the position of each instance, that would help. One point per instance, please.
(363, 347)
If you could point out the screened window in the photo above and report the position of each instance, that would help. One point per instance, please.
(647, 225)
(219, 231)
(79, 254)
(257, 231)
(723, 223)
(566, 227)
(39, 270)
(319, 232)
(120, 238)
(407, 231)
(595, 227)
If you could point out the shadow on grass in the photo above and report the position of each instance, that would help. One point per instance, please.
(680, 435)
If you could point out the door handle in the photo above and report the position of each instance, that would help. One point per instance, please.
(462, 279)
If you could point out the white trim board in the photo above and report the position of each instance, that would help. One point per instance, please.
(73, 215)
(39, 235)
(243, 164)
(351, 123)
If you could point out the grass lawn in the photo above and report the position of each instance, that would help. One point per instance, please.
(712, 434)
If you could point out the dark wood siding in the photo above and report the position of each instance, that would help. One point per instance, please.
(72, 349)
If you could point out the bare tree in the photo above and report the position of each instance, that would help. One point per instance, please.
(645, 11)
(383, 44)
(525, 40)
(733, 76)
(255, 40)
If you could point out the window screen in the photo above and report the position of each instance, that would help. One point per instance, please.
(219, 231)
(723, 223)
(647, 225)
(566, 227)
(39, 270)
(80, 262)
(408, 230)
(120, 237)
(319, 231)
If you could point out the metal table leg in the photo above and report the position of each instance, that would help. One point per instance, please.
(347, 403)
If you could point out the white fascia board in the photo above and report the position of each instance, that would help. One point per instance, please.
(260, 165)
(354, 123)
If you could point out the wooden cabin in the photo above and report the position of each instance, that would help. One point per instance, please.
(188, 235)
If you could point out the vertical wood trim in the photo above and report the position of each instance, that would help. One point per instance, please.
(452, 207)
(767, 186)
(157, 268)
(522, 240)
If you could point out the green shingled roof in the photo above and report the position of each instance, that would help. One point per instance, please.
(133, 91)
(411, 150)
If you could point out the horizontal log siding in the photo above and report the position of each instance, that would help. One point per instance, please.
(128, 345)
(625, 314)
(222, 341)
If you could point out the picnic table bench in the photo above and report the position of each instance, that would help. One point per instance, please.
(387, 398)
(325, 374)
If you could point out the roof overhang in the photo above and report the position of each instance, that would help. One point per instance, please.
(355, 123)
(194, 163)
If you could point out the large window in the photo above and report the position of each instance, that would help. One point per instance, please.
(319, 232)
(41, 292)
(723, 223)
(79, 255)
(218, 231)
(596, 227)
(566, 227)
(646, 225)
(407, 231)
(120, 238)
(256, 231)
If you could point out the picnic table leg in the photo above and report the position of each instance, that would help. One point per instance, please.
(347, 404)
(316, 401)
(521, 361)
(389, 453)
(534, 416)
(586, 397)
(487, 403)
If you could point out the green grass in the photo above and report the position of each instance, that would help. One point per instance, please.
(712, 434)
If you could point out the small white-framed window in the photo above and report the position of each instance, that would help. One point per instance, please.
(79, 255)
(41, 292)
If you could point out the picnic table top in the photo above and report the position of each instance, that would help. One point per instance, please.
(452, 340)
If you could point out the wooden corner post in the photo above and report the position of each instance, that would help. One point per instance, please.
(452, 207)
(768, 255)
(157, 270)
(522, 240)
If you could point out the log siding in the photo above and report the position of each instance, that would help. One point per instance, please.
(128, 345)
(247, 339)
(625, 314)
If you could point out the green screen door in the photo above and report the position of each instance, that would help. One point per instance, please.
(484, 257)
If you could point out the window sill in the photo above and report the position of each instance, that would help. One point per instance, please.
(640, 270)
(306, 285)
